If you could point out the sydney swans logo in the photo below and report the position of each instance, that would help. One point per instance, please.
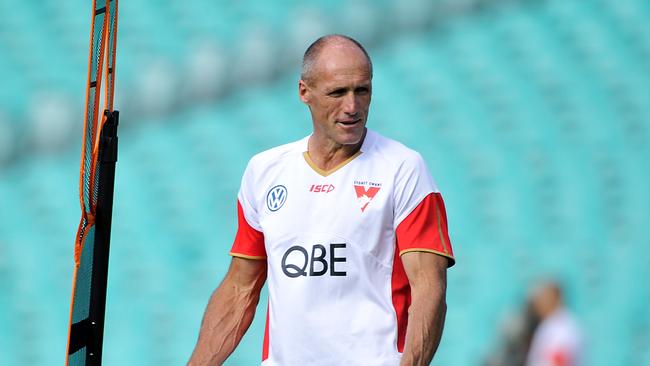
(365, 191)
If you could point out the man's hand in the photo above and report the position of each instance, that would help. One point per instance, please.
(229, 312)
(427, 274)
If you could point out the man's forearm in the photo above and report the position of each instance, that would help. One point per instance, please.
(426, 322)
(228, 315)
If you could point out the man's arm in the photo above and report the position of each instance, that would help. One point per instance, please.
(427, 275)
(229, 312)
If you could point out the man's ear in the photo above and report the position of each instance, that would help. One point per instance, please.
(303, 92)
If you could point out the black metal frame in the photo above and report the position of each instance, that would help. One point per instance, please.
(103, 219)
(89, 332)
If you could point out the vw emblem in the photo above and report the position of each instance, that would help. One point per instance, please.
(276, 197)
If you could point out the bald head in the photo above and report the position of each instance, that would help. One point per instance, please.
(314, 52)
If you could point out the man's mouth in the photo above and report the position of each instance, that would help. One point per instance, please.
(349, 122)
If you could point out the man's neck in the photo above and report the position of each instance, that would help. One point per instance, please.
(328, 155)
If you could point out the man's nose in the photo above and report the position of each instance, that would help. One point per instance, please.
(350, 104)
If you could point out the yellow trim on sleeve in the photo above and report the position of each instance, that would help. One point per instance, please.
(453, 260)
(325, 173)
(442, 236)
(239, 255)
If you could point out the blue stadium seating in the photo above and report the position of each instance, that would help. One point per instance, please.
(532, 115)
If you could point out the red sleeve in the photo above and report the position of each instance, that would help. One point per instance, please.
(425, 229)
(249, 243)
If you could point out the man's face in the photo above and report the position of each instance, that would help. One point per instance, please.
(338, 94)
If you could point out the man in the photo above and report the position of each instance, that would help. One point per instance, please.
(350, 229)
(557, 341)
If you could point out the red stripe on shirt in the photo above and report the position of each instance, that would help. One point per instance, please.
(401, 291)
(248, 241)
(265, 345)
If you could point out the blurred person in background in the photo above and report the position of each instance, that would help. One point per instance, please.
(557, 341)
(516, 335)
(351, 230)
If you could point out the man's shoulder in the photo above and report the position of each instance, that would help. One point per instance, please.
(277, 154)
(390, 150)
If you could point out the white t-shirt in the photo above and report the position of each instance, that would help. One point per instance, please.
(556, 342)
(338, 293)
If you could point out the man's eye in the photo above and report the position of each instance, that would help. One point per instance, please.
(362, 90)
(337, 93)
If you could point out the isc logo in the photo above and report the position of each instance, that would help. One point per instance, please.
(321, 188)
(297, 261)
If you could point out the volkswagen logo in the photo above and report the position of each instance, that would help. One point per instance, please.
(276, 197)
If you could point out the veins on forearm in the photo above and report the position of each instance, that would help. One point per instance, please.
(426, 322)
(238, 303)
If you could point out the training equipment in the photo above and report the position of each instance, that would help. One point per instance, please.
(98, 158)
